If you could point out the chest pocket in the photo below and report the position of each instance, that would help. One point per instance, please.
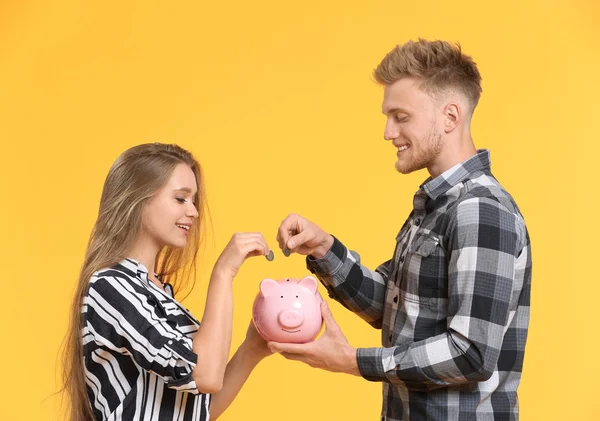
(424, 245)
(425, 275)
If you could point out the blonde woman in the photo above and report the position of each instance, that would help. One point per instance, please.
(133, 351)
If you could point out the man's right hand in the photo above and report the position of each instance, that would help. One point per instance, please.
(301, 236)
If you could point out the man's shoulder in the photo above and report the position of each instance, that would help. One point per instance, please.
(484, 187)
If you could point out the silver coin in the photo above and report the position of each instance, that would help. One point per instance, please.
(286, 252)
(270, 256)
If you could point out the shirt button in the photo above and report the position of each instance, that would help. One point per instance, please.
(391, 338)
(418, 222)
(396, 299)
(170, 342)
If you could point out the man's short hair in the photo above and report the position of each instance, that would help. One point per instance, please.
(438, 66)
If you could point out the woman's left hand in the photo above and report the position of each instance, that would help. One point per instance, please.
(255, 345)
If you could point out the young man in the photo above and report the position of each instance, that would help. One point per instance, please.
(453, 301)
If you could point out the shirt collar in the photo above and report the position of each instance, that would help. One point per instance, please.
(141, 271)
(136, 266)
(442, 183)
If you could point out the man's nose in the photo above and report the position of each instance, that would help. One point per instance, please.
(390, 132)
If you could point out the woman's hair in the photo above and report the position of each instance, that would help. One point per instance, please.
(137, 174)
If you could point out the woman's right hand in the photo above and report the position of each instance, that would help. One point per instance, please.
(241, 246)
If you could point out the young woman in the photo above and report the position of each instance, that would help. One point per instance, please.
(134, 352)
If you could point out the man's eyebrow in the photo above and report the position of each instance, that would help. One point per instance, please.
(395, 110)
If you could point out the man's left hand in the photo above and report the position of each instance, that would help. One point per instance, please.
(330, 352)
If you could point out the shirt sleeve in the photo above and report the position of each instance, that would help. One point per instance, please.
(485, 241)
(353, 285)
(131, 323)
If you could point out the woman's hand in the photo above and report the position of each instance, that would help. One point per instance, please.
(254, 345)
(241, 246)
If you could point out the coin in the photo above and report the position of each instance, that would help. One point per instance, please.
(270, 256)
(286, 252)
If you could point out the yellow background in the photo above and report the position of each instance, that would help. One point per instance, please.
(277, 102)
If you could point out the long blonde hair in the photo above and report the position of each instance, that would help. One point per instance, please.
(137, 174)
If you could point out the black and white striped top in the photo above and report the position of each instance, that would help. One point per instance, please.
(137, 349)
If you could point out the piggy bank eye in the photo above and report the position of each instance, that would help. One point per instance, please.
(282, 296)
(296, 296)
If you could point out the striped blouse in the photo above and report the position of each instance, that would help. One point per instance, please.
(137, 349)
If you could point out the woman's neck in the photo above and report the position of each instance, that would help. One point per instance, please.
(145, 252)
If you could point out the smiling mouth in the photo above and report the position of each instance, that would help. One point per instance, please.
(291, 331)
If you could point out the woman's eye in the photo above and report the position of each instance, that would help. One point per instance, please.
(180, 199)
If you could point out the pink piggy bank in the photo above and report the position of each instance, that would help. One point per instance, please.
(288, 310)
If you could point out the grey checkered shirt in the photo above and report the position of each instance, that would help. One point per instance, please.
(452, 303)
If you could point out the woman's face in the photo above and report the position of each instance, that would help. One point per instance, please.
(168, 216)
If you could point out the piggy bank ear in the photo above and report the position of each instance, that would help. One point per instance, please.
(310, 283)
(268, 287)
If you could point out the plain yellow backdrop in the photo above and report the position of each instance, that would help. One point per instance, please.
(277, 101)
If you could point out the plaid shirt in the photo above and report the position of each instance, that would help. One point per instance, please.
(452, 303)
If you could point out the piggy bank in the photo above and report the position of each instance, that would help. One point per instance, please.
(288, 310)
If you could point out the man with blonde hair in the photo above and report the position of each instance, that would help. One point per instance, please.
(453, 300)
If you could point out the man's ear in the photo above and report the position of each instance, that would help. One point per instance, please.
(453, 114)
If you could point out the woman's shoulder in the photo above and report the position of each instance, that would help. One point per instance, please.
(126, 268)
(121, 275)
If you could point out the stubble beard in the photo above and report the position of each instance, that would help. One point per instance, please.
(432, 146)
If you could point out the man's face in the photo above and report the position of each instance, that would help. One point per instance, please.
(411, 125)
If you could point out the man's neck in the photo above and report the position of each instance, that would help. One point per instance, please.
(453, 152)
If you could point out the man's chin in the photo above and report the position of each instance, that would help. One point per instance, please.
(403, 169)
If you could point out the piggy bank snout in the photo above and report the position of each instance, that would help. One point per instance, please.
(290, 318)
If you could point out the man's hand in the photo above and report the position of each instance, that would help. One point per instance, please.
(299, 235)
(330, 352)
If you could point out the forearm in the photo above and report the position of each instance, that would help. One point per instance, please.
(440, 361)
(236, 374)
(355, 286)
(213, 341)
